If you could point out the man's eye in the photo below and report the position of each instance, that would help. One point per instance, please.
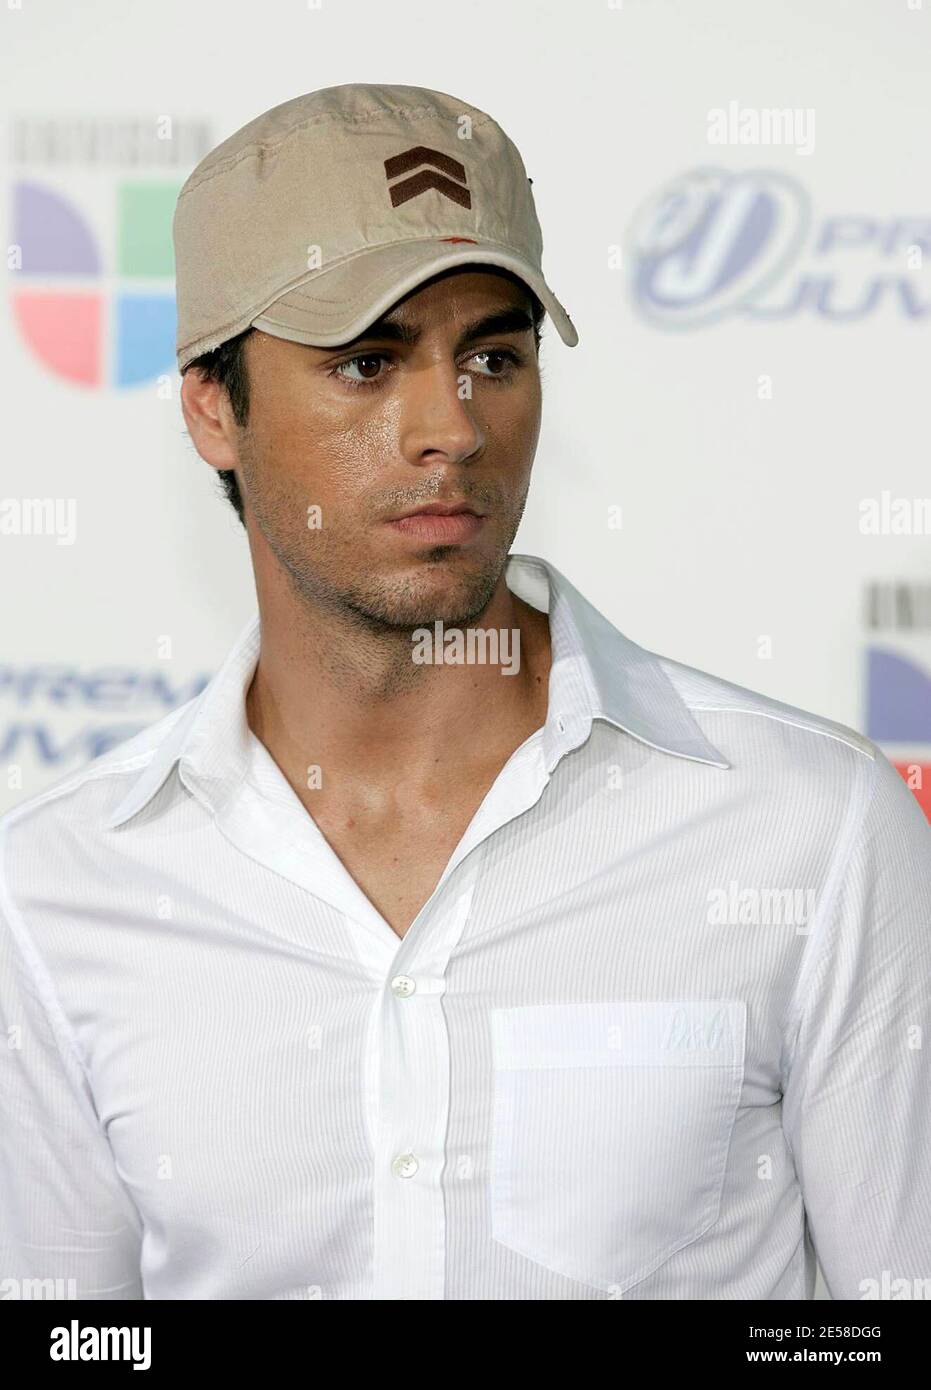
(501, 360)
(367, 364)
(365, 369)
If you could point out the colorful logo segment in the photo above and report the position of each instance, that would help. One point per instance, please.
(114, 334)
(899, 711)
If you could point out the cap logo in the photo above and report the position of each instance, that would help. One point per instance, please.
(427, 178)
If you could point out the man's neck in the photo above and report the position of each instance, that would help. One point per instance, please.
(353, 703)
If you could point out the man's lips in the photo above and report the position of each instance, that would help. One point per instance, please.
(439, 509)
(440, 522)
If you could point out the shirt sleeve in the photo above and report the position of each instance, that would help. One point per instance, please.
(857, 1098)
(68, 1228)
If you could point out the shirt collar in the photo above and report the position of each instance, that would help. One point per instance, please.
(596, 673)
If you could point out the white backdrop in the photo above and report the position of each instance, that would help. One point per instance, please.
(748, 400)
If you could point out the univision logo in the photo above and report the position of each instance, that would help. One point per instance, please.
(898, 678)
(95, 317)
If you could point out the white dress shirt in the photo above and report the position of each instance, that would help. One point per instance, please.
(662, 1024)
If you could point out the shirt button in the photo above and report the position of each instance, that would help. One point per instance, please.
(405, 1166)
(403, 986)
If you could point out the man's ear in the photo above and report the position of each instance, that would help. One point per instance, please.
(209, 418)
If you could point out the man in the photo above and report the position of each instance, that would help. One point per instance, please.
(584, 975)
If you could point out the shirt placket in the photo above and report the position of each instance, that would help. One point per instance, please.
(409, 1058)
(406, 1070)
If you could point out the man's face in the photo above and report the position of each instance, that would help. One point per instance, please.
(450, 412)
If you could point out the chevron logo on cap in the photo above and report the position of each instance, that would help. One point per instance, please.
(441, 177)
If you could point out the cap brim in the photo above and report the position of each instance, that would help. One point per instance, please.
(334, 305)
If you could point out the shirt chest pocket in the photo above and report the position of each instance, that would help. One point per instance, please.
(610, 1131)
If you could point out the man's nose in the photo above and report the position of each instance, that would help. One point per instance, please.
(438, 415)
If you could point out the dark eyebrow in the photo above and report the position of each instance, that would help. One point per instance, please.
(514, 320)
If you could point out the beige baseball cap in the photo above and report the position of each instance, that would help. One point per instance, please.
(315, 218)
